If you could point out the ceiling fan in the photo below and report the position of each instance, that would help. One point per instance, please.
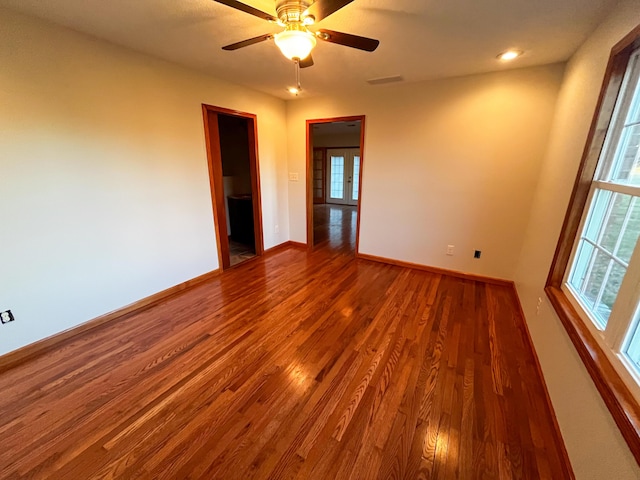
(296, 40)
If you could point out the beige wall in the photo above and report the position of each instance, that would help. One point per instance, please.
(445, 162)
(595, 445)
(104, 193)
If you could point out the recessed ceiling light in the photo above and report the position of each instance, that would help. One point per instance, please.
(509, 55)
(293, 90)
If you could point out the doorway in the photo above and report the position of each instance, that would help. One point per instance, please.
(235, 184)
(334, 182)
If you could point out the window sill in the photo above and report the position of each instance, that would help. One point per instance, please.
(616, 395)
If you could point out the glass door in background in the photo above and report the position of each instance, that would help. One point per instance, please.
(343, 175)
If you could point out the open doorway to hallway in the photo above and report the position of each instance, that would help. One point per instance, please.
(236, 180)
(335, 173)
(235, 184)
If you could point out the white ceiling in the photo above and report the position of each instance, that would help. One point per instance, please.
(420, 39)
(333, 128)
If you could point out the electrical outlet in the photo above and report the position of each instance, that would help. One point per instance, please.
(6, 317)
(477, 254)
(450, 249)
(538, 305)
(277, 229)
(293, 177)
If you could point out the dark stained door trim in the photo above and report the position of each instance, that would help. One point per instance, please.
(214, 159)
(309, 134)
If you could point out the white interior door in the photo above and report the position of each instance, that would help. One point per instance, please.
(343, 175)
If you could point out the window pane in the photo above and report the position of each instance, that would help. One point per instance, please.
(595, 277)
(634, 110)
(631, 232)
(615, 219)
(610, 293)
(581, 264)
(627, 160)
(632, 351)
(337, 177)
(356, 177)
(604, 250)
(597, 214)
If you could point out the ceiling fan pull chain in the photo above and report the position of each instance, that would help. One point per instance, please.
(297, 62)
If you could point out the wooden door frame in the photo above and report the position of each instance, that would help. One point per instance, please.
(309, 173)
(214, 161)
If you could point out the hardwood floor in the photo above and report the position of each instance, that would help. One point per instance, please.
(334, 227)
(294, 365)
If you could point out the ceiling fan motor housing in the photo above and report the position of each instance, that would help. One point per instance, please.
(290, 11)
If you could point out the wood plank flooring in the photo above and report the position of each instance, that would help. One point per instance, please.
(294, 365)
(334, 227)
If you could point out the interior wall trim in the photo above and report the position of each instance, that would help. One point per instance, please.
(28, 352)
(284, 246)
(564, 455)
(438, 270)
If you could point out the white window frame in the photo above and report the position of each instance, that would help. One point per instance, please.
(624, 318)
(613, 380)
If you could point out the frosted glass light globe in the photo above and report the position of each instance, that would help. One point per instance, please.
(295, 43)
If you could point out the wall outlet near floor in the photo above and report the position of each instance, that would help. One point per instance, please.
(538, 305)
(276, 229)
(450, 249)
(293, 177)
(477, 253)
(6, 317)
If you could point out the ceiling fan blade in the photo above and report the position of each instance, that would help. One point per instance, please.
(323, 8)
(246, 43)
(306, 62)
(247, 9)
(348, 40)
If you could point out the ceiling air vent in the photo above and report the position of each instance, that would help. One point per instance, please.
(383, 80)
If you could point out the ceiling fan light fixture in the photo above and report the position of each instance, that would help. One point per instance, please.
(295, 42)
